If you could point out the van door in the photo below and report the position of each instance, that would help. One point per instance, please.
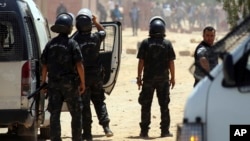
(13, 56)
(229, 105)
(110, 54)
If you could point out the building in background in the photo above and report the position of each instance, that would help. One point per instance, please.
(49, 7)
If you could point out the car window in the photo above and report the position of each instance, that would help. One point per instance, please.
(6, 34)
(110, 54)
(6, 38)
(11, 48)
(242, 73)
(248, 63)
(108, 43)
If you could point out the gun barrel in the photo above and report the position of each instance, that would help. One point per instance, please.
(37, 90)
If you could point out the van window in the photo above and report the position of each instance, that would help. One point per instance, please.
(242, 72)
(108, 43)
(11, 39)
(106, 51)
(31, 36)
(248, 63)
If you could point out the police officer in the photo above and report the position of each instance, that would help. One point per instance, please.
(90, 46)
(62, 62)
(156, 59)
(204, 57)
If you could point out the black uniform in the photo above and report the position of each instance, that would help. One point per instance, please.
(156, 53)
(60, 55)
(90, 48)
(203, 50)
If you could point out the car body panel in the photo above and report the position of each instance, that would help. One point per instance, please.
(111, 58)
(110, 54)
(218, 102)
(27, 35)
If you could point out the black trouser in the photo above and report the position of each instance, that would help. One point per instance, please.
(95, 93)
(146, 98)
(58, 93)
(100, 107)
(86, 113)
(134, 26)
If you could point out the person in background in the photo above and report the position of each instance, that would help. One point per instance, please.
(205, 59)
(61, 9)
(134, 16)
(102, 11)
(157, 10)
(156, 62)
(62, 64)
(90, 46)
(117, 14)
(111, 6)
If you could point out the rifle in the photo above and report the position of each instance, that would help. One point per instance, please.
(44, 85)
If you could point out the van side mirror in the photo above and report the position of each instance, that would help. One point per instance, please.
(228, 70)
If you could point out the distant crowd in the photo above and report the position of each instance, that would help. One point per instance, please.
(179, 15)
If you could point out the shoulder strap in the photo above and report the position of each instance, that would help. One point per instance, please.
(195, 52)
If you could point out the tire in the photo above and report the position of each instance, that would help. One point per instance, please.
(45, 132)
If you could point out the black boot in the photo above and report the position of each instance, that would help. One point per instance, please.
(166, 133)
(144, 131)
(87, 135)
(144, 134)
(107, 131)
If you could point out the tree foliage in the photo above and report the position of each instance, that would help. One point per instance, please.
(237, 10)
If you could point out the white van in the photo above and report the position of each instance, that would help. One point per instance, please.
(218, 107)
(25, 33)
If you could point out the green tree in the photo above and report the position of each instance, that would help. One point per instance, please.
(236, 10)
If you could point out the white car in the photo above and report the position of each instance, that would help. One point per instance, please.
(25, 33)
(218, 107)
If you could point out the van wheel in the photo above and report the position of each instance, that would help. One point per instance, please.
(45, 132)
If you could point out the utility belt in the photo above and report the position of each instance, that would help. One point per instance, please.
(65, 76)
(93, 69)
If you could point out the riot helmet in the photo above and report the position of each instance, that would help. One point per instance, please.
(73, 16)
(63, 23)
(86, 12)
(157, 27)
(84, 21)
